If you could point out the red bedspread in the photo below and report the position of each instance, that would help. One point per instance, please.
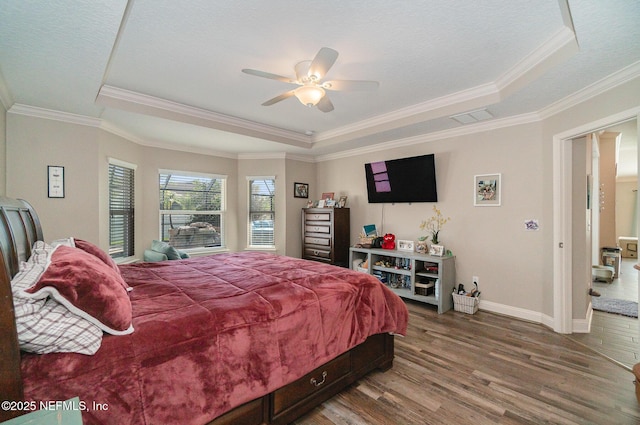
(214, 332)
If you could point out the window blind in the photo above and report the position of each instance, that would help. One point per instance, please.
(121, 211)
(262, 212)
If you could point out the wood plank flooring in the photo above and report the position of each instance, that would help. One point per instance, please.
(613, 335)
(482, 369)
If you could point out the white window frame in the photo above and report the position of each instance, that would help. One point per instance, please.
(221, 212)
(250, 242)
(133, 167)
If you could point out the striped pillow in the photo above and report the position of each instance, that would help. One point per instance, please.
(44, 325)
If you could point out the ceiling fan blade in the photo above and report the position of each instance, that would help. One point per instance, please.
(325, 104)
(302, 70)
(324, 60)
(277, 99)
(268, 75)
(353, 85)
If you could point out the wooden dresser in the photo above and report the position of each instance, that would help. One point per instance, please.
(325, 235)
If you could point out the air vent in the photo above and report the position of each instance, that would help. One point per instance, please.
(473, 116)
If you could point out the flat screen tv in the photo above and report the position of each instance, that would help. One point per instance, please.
(402, 180)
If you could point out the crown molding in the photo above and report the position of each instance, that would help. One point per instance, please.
(150, 105)
(50, 114)
(164, 145)
(610, 82)
(560, 46)
(277, 155)
(435, 136)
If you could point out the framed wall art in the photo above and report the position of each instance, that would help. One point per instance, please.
(327, 195)
(55, 181)
(300, 190)
(487, 190)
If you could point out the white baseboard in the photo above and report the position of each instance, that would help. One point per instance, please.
(583, 326)
(519, 313)
(578, 325)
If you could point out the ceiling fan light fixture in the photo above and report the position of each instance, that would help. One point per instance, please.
(309, 95)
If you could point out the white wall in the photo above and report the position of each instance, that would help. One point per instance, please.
(488, 242)
(298, 171)
(33, 143)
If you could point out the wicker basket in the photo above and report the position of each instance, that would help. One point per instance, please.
(366, 242)
(465, 304)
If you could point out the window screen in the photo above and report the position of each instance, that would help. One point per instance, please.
(261, 211)
(192, 209)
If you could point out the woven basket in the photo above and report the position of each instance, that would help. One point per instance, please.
(465, 304)
(366, 242)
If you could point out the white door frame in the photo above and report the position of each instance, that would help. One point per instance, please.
(562, 196)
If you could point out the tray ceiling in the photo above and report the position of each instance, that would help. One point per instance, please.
(168, 73)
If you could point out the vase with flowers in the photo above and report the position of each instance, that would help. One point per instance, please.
(433, 225)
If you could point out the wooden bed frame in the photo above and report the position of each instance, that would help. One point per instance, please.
(20, 228)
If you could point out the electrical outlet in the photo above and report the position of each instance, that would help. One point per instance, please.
(475, 280)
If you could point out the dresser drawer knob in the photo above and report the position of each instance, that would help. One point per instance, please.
(315, 382)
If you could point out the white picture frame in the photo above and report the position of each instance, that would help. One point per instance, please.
(404, 245)
(487, 190)
(436, 250)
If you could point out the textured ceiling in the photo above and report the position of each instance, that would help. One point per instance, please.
(168, 73)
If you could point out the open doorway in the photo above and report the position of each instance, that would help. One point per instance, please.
(613, 331)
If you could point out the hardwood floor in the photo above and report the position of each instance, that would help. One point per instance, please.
(481, 369)
(615, 336)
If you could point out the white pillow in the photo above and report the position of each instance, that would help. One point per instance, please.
(46, 326)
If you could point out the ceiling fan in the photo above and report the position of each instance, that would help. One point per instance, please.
(309, 75)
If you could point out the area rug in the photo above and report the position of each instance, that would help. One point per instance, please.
(616, 306)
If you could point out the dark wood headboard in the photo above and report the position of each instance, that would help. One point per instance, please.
(19, 230)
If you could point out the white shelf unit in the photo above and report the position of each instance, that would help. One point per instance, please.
(411, 275)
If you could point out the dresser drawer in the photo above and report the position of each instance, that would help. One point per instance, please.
(317, 252)
(317, 241)
(318, 216)
(315, 228)
(313, 382)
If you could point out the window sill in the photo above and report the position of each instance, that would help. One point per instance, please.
(196, 252)
(260, 248)
(126, 260)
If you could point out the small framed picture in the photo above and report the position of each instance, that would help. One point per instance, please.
(330, 203)
(327, 195)
(320, 203)
(422, 247)
(437, 250)
(342, 202)
(405, 245)
(55, 181)
(487, 190)
(300, 190)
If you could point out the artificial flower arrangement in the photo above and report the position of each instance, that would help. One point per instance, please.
(434, 225)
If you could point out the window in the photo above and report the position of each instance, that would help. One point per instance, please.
(192, 209)
(121, 209)
(261, 211)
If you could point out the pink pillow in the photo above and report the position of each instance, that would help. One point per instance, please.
(102, 256)
(95, 250)
(87, 287)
